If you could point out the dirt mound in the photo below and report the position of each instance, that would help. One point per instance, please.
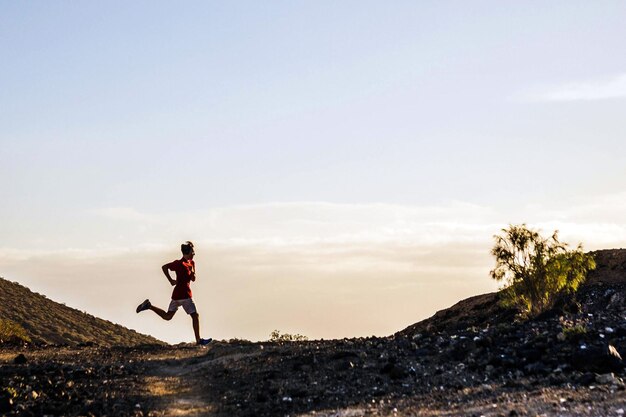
(610, 267)
(474, 311)
(46, 321)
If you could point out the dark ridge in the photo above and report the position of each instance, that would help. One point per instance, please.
(49, 322)
(610, 267)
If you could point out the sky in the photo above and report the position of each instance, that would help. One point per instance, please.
(342, 167)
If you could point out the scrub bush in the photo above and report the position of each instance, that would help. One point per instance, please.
(275, 336)
(11, 332)
(536, 270)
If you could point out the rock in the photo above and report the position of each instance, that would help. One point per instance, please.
(608, 379)
(613, 352)
(20, 359)
(537, 368)
(617, 302)
(587, 378)
(394, 371)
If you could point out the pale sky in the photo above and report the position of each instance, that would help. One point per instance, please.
(341, 166)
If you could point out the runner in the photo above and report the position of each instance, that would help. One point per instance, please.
(185, 269)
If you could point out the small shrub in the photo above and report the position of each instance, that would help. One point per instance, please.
(275, 336)
(536, 270)
(9, 392)
(237, 341)
(574, 332)
(11, 332)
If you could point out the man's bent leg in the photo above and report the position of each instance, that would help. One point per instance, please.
(162, 313)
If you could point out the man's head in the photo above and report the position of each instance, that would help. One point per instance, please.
(187, 250)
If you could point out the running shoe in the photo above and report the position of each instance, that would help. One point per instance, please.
(204, 342)
(144, 306)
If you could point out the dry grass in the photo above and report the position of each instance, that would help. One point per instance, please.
(11, 331)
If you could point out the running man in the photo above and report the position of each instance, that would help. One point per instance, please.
(185, 269)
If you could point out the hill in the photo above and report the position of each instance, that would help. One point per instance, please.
(481, 310)
(49, 322)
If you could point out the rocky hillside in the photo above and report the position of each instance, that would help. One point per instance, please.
(46, 321)
(484, 309)
(610, 267)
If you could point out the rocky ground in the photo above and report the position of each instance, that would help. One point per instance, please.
(564, 363)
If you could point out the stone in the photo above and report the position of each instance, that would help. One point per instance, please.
(394, 371)
(586, 378)
(614, 353)
(537, 368)
(20, 359)
(617, 302)
(608, 379)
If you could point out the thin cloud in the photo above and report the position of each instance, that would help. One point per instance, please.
(600, 221)
(286, 224)
(597, 220)
(597, 89)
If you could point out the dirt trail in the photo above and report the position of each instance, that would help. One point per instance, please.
(179, 380)
(178, 392)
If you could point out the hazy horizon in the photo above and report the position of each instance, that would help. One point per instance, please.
(341, 167)
(388, 268)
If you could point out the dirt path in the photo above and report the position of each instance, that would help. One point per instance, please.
(172, 383)
(178, 381)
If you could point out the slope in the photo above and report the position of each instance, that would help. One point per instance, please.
(49, 322)
(484, 309)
